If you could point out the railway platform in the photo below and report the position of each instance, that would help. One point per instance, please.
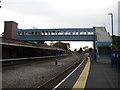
(102, 75)
(91, 75)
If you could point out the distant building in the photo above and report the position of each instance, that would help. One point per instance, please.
(119, 18)
(10, 30)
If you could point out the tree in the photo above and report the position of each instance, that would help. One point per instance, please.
(90, 50)
(116, 42)
(2, 33)
(85, 48)
(75, 49)
(80, 50)
(61, 45)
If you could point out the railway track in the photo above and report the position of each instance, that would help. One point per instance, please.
(30, 71)
(55, 80)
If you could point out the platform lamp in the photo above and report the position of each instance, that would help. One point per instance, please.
(111, 14)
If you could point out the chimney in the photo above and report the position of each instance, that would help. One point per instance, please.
(10, 29)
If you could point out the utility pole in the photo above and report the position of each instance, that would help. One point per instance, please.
(0, 2)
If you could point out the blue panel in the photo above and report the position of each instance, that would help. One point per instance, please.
(101, 44)
(32, 39)
(57, 37)
(116, 58)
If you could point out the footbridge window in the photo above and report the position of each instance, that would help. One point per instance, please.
(67, 33)
(61, 33)
(22, 33)
(90, 33)
(73, 33)
(81, 33)
(19, 33)
(85, 33)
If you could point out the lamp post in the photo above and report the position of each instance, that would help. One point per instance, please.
(111, 21)
(112, 35)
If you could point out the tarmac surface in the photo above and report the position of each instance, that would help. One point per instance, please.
(102, 75)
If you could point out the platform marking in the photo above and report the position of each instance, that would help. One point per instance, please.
(81, 82)
(68, 76)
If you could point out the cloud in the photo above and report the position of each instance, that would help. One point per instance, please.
(59, 13)
(29, 7)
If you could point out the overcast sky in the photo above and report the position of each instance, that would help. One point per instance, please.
(59, 13)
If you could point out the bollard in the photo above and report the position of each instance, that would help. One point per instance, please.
(56, 62)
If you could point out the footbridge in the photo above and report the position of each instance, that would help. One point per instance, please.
(65, 34)
(99, 35)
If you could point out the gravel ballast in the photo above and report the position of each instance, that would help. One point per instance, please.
(33, 75)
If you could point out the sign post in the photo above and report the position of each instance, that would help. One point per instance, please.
(57, 54)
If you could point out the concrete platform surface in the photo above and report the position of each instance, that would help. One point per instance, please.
(102, 76)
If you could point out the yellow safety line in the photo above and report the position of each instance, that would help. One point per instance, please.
(81, 82)
(87, 72)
